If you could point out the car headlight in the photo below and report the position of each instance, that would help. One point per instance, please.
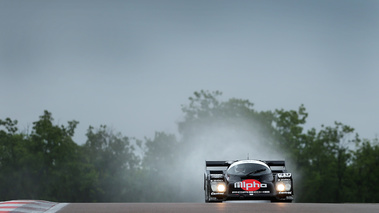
(283, 186)
(280, 187)
(218, 186)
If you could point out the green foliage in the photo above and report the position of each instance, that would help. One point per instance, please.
(328, 155)
(115, 164)
(46, 164)
(331, 164)
(159, 169)
(364, 173)
(205, 112)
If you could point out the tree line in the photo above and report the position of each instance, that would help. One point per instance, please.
(330, 164)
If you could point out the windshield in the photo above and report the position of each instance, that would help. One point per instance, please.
(248, 169)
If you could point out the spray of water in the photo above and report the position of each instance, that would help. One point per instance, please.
(214, 130)
(219, 141)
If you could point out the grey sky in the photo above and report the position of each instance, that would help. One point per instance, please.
(132, 64)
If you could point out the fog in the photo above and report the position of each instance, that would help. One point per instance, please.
(223, 138)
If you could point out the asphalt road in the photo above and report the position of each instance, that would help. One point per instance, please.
(219, 207)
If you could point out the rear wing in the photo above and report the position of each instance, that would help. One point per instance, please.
(275, 163)
(216, 163)
(276, 166)
(219, 167)
(216, 167)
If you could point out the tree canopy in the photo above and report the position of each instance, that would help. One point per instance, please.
(330, 163)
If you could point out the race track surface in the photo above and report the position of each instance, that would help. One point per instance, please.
(219, 207)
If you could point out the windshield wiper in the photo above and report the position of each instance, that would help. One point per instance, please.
(256, 171)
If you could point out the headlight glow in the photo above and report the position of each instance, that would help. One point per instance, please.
(280, 187)
(218, 186)
(221, 188)
(283, 186)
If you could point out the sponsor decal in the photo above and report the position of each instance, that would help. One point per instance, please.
(217, 193)
(217, 175)
(250, 192)
(249, 185)
(281, 193)
(284, 175)
(217, 180)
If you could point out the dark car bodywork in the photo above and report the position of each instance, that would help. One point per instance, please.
(247, 180)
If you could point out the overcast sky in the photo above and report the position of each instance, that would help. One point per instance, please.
(132, 64)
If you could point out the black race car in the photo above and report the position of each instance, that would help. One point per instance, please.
(247, 180)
